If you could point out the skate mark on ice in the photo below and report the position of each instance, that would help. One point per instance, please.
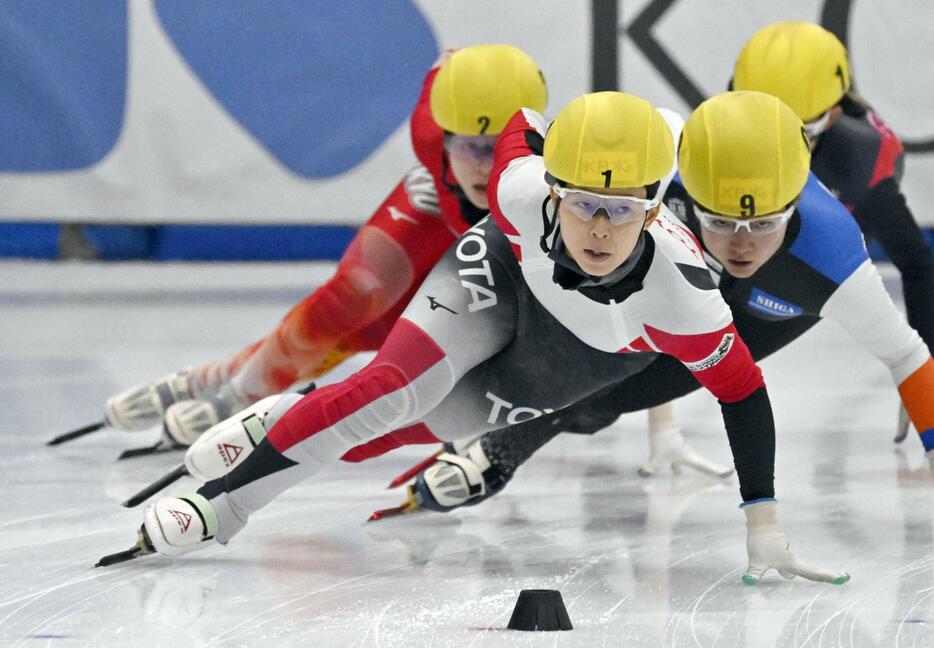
(375, 626)
(264, 617)
(726, 622)
(904, 620)
(119, 582)
(700, 599)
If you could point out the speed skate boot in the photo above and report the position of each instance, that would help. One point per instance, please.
(225, 445)
(177, 525)
(171, 526)
(460, 475)
(187, 420)
(454, 479)
(143, 406)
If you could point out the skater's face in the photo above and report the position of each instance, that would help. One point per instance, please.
(743, 252)
(597, 244)
(816, 127)
(471, 160)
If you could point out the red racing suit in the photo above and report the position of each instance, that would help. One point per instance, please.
(378, 274)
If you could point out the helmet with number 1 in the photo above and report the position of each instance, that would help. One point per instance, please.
(743, 154)
(478, 89)
(801, 63)
(610, 140)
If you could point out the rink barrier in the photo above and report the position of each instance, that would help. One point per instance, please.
(175, 242)
(198, 242)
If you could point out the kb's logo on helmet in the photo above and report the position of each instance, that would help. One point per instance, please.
(732, 190)
(622, 165)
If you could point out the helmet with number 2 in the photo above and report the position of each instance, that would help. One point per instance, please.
(609, 140)
(479, 88)
(743, 154)
(801, 63)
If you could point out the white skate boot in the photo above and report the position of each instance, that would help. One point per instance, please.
(225, 445)
(142, 407)
(171, 526)
(188, 420)
(177, 525)
(460, 474)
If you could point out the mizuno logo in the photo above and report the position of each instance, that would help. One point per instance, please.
(726, 343)
(435, 305)
(398, 215)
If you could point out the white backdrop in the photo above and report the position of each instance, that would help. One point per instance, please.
(182, 158)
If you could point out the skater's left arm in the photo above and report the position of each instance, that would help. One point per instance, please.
(722, 363)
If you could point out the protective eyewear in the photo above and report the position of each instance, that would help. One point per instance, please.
(619, 209)
(478, 148)
(756, 226)
(817, 126)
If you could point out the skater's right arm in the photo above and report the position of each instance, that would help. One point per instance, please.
(517, 189)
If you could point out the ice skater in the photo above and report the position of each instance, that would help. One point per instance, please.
(578, 280)
(466, 100)
(855, 153)
(780, 265)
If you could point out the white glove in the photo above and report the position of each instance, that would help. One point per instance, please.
(769, 549)
(667, 446)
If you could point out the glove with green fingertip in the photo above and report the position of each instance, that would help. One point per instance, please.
(768, 548)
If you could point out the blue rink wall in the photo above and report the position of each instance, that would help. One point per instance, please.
(203, 242)
(178, 242)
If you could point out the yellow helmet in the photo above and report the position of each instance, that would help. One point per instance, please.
(743, 154)
(801, 63)
(609, 139)
(479, 88)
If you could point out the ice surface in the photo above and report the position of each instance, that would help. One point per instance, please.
(640, 562)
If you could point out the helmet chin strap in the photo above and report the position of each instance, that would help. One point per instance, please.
(550, 226)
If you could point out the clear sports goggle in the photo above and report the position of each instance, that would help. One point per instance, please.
(619, 209)
(756, 226)
(478, 148)
(817, 126)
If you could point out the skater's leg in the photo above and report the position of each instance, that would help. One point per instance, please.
(354, 311)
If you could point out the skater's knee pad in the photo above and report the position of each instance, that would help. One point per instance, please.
(369, 404)
(351, 299)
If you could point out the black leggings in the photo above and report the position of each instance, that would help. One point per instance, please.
(664, 380)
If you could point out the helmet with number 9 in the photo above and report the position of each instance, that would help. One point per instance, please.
(479, 88)
(801, 63)
(609, 140)
(743, 154)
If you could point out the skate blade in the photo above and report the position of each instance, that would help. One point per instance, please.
(158, 448)
(74, 434)
(414, 470)
(412, 504)
(169, 478)
(142, 547)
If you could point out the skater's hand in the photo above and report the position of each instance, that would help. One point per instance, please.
(667, 446)
(768, 549)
